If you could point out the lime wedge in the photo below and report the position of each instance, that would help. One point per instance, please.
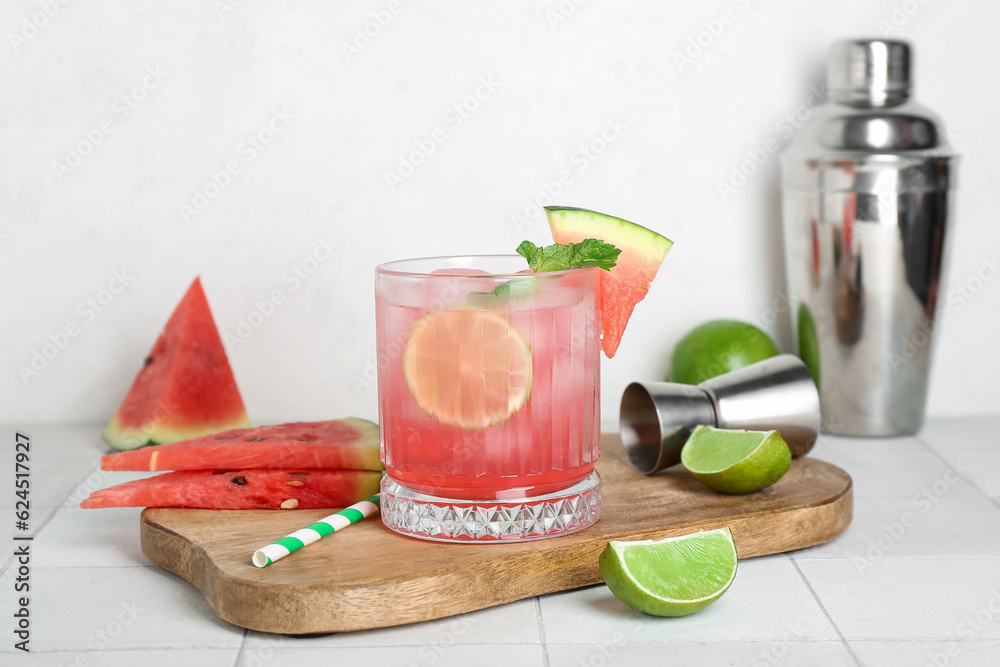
(732, 461)
(672, 577)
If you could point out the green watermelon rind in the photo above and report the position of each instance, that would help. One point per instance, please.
(628, 234)
(127, 438)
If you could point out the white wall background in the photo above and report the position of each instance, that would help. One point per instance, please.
(226, 69)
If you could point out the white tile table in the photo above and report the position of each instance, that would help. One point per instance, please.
(915, 580)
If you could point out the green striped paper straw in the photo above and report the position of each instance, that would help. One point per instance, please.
(342, 519)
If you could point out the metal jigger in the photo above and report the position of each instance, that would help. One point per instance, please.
(775, 394)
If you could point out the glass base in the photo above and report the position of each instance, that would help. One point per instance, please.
(427, 517)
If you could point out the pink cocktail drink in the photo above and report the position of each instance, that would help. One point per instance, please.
(489, 398)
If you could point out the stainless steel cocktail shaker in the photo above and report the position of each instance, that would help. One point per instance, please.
(868, 197)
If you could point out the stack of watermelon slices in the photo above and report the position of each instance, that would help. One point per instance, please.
(184, 413)
(303, 465)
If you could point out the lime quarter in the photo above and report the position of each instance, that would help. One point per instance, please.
(676, 576)
(732, 461)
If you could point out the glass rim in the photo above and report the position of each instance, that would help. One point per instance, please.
(391, 268)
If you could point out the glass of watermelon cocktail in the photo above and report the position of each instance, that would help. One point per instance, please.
(489, 398)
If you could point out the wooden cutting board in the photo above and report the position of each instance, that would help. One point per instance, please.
(369, 577)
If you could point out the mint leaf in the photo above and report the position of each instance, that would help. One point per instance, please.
(527, 249)
(503, 289)
(516, 288)
(562, 256)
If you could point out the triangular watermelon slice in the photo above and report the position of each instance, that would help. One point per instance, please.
(624, 285)
(185, 388)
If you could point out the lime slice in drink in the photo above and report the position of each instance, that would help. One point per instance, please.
(732, 461)
(467, 368)
(672, 577)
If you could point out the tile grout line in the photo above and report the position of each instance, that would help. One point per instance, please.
(541, 631)
(94, 467)
(874, 558)
(64, 497)
(242, 646)
(686, 642)
(38, 531)
(940, 457)
(63, 503)
(843, 640)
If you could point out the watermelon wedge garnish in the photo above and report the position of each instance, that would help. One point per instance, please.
(339, 443)
(628, 281)
(241, 490)
(185, 388)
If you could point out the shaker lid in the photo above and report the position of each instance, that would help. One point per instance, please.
(869, 72)
(872, 113)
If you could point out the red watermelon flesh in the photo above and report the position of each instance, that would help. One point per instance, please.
(625, 285)
(340, 443)
(242, 490)
(185, 388)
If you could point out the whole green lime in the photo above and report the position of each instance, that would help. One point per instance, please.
(718, 347)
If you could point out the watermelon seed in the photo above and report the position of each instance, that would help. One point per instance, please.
(242, 481)
(255, 440)
(295, 482)
(220, 472)
(148, 361)
(225, 437)
(290, 504)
